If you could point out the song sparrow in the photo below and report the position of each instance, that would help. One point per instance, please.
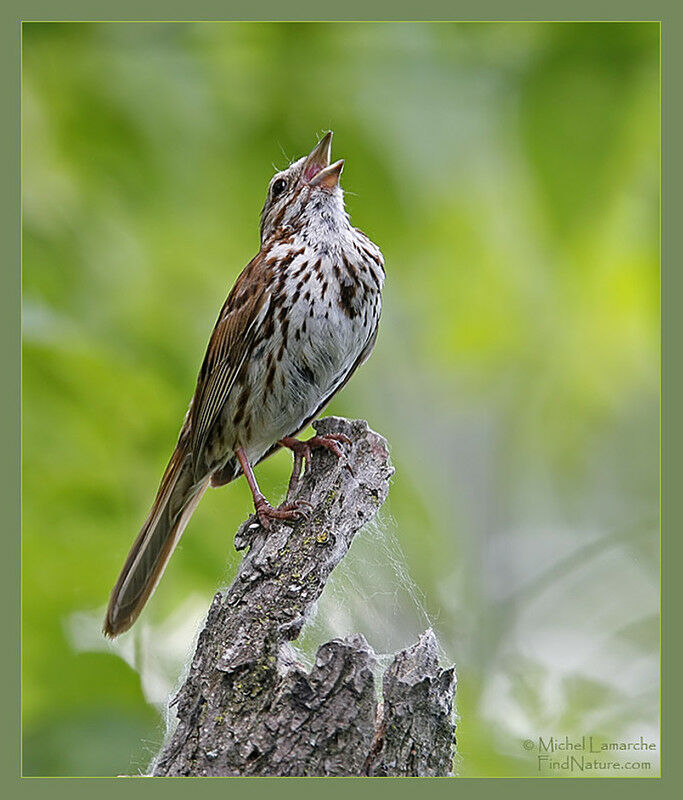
(300, 319)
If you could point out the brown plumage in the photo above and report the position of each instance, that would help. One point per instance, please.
(300, 319)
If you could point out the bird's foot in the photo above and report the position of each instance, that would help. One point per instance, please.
(302, 453)
(292, 511)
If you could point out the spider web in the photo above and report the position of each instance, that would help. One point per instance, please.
(370, 592)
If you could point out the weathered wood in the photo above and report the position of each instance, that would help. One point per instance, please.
(415, 732)
(247, 707)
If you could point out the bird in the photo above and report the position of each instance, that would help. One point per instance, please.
(301, 317)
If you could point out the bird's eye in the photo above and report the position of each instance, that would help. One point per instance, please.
(279, 186)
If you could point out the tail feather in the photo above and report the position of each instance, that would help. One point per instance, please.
(175, 502)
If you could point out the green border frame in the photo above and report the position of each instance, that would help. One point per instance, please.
(670, 16)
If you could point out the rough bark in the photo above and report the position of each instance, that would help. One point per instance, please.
(248, 708)
(415, 731)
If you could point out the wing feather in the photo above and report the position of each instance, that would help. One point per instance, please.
(232, 340)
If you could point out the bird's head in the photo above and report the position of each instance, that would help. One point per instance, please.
(306, 195)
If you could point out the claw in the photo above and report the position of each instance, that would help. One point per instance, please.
(287, 511)
(302, 453)
(338, 437)
(297, 505)
(296, 508)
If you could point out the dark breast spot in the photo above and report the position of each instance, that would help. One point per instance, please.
(242, 403)
(269, 329)
(270, 375)
(258, 351)
(347, 294)
(305, 373)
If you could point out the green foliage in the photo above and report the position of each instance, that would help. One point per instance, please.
(510, 173)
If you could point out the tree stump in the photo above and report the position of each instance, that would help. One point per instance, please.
(248, 708)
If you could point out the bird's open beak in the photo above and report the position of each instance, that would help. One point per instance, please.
(317, 170)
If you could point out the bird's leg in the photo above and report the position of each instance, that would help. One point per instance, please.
(264, 511)
(302, 452)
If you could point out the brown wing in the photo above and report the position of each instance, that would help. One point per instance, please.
(231, 342)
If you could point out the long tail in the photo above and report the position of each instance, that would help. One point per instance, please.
(176, 499)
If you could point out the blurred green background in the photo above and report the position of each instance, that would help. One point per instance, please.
(510, 174)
